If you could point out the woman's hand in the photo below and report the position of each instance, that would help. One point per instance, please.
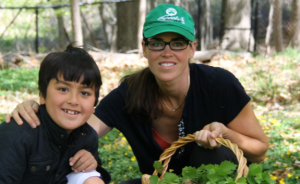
(83, 161)
(27, 110)
(206, 136)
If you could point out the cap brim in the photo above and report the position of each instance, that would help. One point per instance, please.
(150, 32)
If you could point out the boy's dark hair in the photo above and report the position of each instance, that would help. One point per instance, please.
(71, 64)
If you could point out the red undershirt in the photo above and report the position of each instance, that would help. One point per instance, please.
(161, 141)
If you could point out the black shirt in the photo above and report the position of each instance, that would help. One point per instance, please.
(215, 94)
(41, 155)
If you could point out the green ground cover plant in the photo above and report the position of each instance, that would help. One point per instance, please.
(19, 79)
(118, 157)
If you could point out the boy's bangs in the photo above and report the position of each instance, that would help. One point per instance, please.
(73, 68)
(75, 74)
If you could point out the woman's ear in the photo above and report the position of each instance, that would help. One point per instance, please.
(193, 49)
(42, 99)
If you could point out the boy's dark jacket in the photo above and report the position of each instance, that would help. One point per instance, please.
(41, 155)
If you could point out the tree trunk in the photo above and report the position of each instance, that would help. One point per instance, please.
(277, 25)
(104, 22)
(76, 23)
(109, 24)
(89, 30)
(187, 7)
(270, 27)
(152, 4)
(237, 21)
(127, 22)
(295, 20)
(61, 31)
(141, 19)
(207, 31)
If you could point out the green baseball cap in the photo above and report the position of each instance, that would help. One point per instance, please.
(169, 18)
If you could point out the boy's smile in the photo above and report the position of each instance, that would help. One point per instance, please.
(69, 104)
(70, 111)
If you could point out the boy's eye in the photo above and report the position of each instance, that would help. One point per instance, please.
(84, 93)
(63, 89)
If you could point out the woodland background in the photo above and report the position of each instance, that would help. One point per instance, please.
(257, 40)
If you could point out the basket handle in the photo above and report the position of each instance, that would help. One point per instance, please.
(167, 154)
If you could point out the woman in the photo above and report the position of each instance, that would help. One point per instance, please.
(172, 98)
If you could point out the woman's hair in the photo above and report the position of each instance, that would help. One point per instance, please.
(142, 98)
(71, 64)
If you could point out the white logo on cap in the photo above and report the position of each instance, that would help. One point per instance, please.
(171, 11)
(169, 17)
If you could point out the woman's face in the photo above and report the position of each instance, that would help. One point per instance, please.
(168, 64)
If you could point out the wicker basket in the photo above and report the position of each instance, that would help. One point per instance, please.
(167, 154)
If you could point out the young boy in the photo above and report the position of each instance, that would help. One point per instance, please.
(69, 84)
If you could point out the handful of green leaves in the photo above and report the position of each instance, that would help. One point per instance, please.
(212, 174)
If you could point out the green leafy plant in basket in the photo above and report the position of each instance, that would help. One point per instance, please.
(212, 174)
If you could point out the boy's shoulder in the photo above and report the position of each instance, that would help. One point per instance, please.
(14, 127)
(12, 132)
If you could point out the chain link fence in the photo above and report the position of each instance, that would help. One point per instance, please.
(48, 28)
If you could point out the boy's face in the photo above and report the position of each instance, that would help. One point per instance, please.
(69, 104)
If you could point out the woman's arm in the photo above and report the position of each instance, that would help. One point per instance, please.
(27, 110)
(98, 125)
(247, 133)
(244, 130)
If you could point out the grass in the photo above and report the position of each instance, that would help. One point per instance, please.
(264, 78)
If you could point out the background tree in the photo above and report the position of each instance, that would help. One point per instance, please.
(76, 22)
(152, 4)
(141, 18)
(61, 28)
(277, 25)
(270, 27)
(237, 22)
(206, 28)
(109, 25)
(127, 22)
(295, 22)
